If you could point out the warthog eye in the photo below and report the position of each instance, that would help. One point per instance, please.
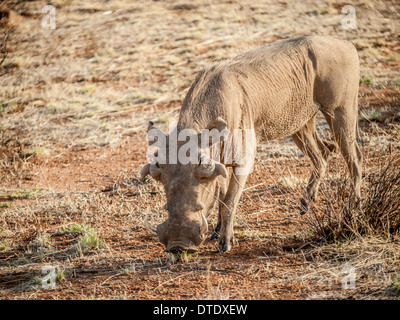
(208, 169)
(204, 161)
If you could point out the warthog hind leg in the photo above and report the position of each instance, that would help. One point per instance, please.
(311, 145)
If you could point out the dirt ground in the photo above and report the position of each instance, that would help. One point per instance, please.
(75, 102)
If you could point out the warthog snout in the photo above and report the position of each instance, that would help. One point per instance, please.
(181, 236)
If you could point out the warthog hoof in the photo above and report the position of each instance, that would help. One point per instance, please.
(226, 246)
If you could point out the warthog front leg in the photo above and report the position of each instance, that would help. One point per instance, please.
(228, 210)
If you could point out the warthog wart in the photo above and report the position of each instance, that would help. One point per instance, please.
(267, 93)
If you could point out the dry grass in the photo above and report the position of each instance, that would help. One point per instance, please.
(362, 237)
(377, 214)
(374, 263)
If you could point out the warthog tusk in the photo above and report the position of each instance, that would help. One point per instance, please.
(204, 227)
(148, 226)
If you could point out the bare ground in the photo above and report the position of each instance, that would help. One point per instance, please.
(75, 102)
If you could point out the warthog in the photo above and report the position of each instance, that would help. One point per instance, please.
(274, 91)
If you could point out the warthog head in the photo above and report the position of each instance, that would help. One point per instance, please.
(192, 190)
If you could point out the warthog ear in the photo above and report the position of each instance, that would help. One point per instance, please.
(145, 171)
(155, 135)
(221, 170)
(152, 169)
